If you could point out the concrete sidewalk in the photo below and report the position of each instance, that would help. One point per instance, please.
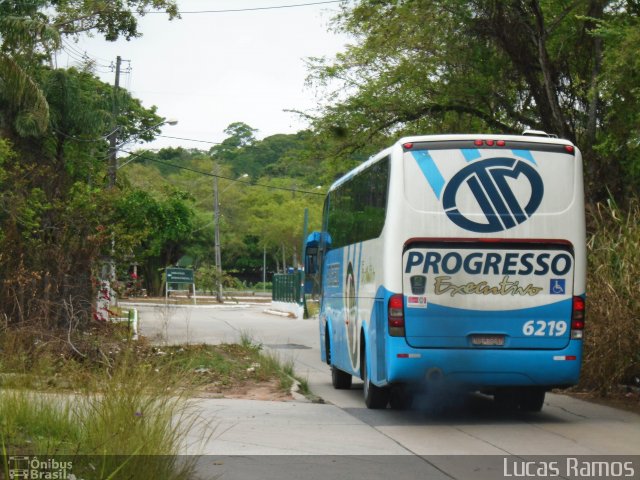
(254, 427)
(250, 439)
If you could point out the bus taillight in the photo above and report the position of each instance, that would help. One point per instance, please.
(396, 316)
(577, 318)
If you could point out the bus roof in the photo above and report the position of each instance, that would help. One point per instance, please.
(538, 137)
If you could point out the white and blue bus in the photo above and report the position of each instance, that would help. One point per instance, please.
(455, 260)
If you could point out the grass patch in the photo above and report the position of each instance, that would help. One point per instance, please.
(120, 402)
(115, 429)
(90, 362)
(313, 308)
(220, 368)
(303, 386)
(612, 343)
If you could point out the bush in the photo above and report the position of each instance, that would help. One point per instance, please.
(207, 280)
(233, 283)
(132, 419)
(263, 286)
(612, 330)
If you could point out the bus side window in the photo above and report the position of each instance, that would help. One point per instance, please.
(311, 260)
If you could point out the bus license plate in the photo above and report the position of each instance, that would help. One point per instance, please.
(488, 340)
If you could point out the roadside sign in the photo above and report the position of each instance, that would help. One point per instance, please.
(179, 275)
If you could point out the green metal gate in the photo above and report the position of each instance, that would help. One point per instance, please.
(288, 288)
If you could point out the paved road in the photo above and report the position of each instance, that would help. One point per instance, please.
(461, 426)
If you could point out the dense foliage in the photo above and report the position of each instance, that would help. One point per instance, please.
(57, 215)
(264, 187)
(433, 66)
(612, 339)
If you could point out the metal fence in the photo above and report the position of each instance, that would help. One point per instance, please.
(288, 288)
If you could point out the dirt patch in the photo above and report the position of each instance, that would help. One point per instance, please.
(270, 391)
(41, 360)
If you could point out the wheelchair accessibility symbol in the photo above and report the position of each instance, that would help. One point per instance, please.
(558, 286)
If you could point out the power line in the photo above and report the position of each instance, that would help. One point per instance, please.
(68, 46)
(251, 184)
(73, 55)
(73, 52)
(79, 139)
(189, 139)
(255, 9)
(104, 137)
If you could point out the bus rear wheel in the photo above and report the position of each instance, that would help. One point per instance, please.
(506, 399)
(374, 397)
(339, 379)
(532, 399)
(525, 399)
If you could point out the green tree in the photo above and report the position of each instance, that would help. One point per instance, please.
(620, 80)
(233, 149)
(153, 231)
(31, 31)
(421, 66)
(253, 217)
(276, 218)
(56, 215)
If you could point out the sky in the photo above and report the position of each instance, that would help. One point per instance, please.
(208, 70)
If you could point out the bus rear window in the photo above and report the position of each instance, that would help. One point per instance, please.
(477, 184)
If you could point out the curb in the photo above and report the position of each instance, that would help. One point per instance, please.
(278, 313)
(295, 392)
(299, 397)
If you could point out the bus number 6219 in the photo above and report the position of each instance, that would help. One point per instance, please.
(542, 328)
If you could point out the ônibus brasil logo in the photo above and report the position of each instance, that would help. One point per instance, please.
(488, 182)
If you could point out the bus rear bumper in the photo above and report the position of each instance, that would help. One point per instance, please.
(485, 368)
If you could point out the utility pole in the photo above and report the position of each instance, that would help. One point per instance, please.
(216, 221)
(113, 136)
(106, 293)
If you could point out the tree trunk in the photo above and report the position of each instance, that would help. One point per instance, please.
(594, 94)
(295, 257)
(559, 123)
(284, 262)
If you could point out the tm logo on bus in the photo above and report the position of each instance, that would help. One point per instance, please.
(491, 183)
